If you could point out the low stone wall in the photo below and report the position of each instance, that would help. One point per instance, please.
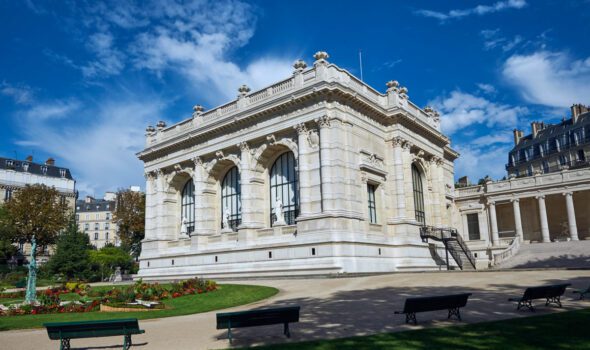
(106, 308)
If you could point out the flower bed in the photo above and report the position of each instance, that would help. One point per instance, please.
(50, 301)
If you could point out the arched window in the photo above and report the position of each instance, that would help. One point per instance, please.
(418, 195)
(283, 186)
(231, 199)
(188, 206)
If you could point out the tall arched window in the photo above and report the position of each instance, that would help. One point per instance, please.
(418, 195)
(230, 199)
(188, 206)
(283, 186)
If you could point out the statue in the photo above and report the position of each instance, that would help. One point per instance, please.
(183, 229)
(31, 296)
(225, 220)
(280, 219)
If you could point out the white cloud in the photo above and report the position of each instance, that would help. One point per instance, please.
(479, 10)
(21, 94)
(493, 39)
(477, 162)
(487, 88)
(460, 110)
(53, 110)
(499, 137)
(101, 151)
(109, 60)
(549, 78)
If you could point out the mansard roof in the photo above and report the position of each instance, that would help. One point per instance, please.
(95, 205)
(25, 166)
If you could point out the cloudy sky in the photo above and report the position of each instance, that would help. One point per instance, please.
(80, 80)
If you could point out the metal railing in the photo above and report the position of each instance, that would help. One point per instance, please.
(448, 235)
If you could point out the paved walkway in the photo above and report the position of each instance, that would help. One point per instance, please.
(336, 307)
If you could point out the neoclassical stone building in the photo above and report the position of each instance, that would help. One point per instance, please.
(318, 173)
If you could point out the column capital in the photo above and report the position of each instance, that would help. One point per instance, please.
(541, 196)
(244, 147)
(568, 193)
(407, 146)
(515, 200)
(301, 129)
(323, 121)
(491, 203)
(397, 142)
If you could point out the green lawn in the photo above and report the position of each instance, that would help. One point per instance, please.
(227, 295)
(564, 330)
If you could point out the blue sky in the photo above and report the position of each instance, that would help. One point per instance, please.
(80, 80)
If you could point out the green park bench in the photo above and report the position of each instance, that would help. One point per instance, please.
(582, 292)
(452, 303)
(259, 317)
(551, 294)
(64, 331)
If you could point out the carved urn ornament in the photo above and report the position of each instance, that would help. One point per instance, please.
(392, 85)
(244, 90)
(161, 124)
(321, 56)
(299, 65)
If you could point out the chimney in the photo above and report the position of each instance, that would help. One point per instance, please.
(29, 159)
(577, 110)
(50, 161)
(89, 199)
(536, 127)
(518, 134)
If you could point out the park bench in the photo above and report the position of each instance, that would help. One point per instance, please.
(582, 292)
(64, 331)
(552, 295)
(259, 317)
(451, 302)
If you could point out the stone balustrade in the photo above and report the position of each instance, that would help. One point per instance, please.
(301, 79)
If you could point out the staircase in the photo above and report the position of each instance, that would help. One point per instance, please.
(454, 245)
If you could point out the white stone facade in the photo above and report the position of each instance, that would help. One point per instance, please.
(343, 159)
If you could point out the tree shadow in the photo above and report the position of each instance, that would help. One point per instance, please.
(559, 261)
(117, 346)
(371, 311)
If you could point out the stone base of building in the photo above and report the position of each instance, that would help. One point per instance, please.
(286, 255)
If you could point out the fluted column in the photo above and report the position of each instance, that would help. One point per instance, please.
(150, 218)
(304, 167)
(325, 159)
(494, 222)
(571, 216)
(398, 177)
(251, 211)
(517, 219)
(543, 217)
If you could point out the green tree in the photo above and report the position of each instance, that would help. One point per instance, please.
(130, 218)
(72, 257)
(7, 249)
(109, 257)
(36, 210)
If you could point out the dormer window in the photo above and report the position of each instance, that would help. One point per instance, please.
(44, 170)
(9, 163)
(62, 172)
(25, 166)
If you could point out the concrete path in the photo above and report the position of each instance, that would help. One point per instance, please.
(337, 307)
(573, 254)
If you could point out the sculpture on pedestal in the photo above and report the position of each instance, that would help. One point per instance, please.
(31, 296)
(225, 222)
(280, 219)
(183, 229)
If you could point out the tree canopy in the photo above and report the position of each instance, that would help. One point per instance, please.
(72, 257)
(109, 257)
(36, 210)
(130, 218)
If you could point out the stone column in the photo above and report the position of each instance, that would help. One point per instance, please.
(203, 213)
(407, 177)
(325, 159)
(517, 219)
(304, 167)
(543, 216)
(150, 206)
(436, 188)
(398, 178)
(571, 216)
(494, 222)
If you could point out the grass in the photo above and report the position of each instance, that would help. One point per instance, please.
(227, 295)
(563, 330)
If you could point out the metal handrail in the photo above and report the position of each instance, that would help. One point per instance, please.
(445, 235)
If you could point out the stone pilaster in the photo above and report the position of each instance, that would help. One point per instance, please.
(397, 175)
(204, 212)
(252, 213)
(407, 177)
(150, 206)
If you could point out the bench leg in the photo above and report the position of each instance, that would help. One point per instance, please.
(553, 300)
(411, 317)
(229, 335)
(64, 344)
(526, 303)
(286, 331)
(454, 312)
(127, 342)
